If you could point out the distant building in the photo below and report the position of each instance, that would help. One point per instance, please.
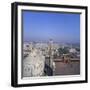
(25, 46)
(72, 50)
(26, 50)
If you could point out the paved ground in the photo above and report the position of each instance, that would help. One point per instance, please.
(72, 68)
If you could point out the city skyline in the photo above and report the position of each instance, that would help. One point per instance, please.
(42, 26)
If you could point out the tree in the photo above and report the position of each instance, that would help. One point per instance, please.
(78, 49)
(63, 50)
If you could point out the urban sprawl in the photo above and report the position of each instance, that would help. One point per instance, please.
(50, 59)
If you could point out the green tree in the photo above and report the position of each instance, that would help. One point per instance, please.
(78, 49)
(63, 50)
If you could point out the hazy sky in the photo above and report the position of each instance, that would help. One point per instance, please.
(42, 26)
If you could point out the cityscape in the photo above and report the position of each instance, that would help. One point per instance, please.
(48, 59)
(51, 44)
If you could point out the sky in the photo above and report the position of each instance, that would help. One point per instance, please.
(43, 26)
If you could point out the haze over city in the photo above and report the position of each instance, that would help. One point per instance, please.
(42, 26)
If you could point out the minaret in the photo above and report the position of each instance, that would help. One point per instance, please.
(51, 53)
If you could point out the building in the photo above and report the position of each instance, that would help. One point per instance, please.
(72, 50)
(33, 65)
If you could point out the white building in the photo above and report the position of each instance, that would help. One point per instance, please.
(33, 65)
(72, 50)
